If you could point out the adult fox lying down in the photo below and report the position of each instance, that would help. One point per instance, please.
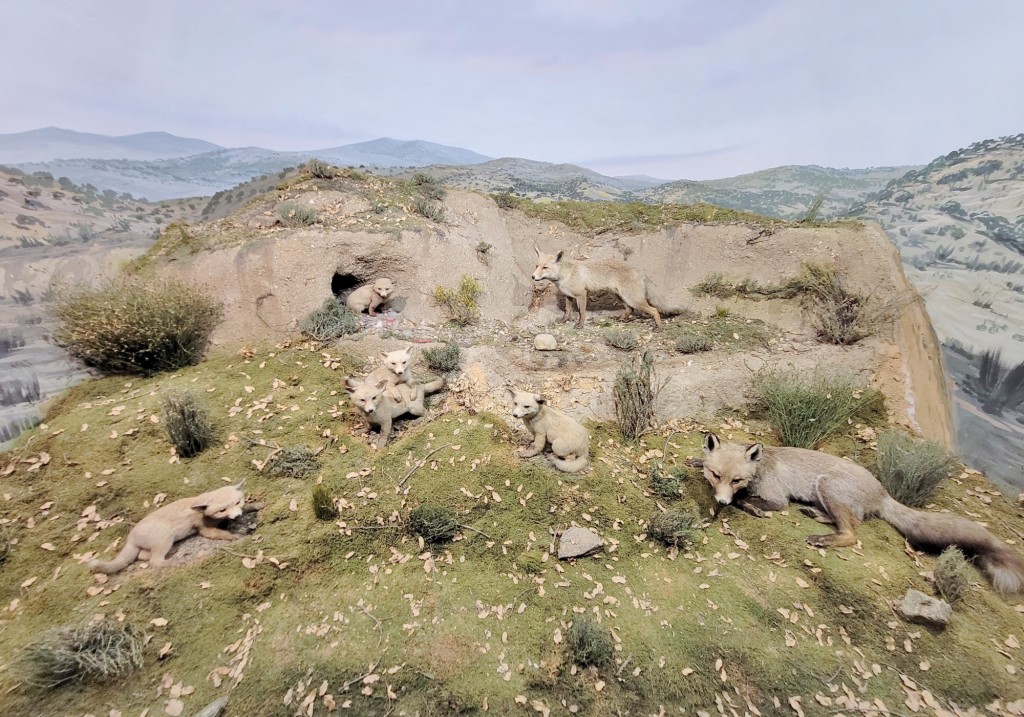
(841, 493)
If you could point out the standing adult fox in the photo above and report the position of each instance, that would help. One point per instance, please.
(575, 279)
(841, 493)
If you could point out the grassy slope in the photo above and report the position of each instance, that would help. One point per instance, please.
(750, 613)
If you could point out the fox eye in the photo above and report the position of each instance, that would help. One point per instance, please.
(737, 480)
(715, 475)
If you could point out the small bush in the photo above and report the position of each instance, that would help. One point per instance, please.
(331, 321)
(693, 344)
(588, 643)
(297, 215)
(952, 575)
(806, 409)
(673, 527)
(443, 358)
(635, 394)
(320, 170)
(429, 209)
(324, 507)
(91, 652)
(911, 469)
(504, 200)
(462, 305)
(838, 315)
(188, 424)
(434, 523)
(722, 312)
(622, 339)
(294, 462)
(428, 186)
(133, 326)
(714, 285)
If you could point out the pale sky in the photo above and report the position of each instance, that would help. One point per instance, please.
(676, 89)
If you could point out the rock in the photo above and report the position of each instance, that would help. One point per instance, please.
(918, 607)
(545, 342)
(214, 709)
(577, 542)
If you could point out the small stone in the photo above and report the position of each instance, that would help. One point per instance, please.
(577, 542)
(545, 342)
(214, 709)
(918, 607)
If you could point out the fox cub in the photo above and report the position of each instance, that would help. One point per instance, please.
(381, 405)
(152, 538)
(841, 493)
(369, 296)
(397, 371)
(569, 441)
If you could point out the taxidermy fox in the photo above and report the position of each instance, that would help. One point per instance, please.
(396, 370)
(569, 441)
(575, 279)
(841, 493)
(153, 536)
(381, 409)
(369, 296)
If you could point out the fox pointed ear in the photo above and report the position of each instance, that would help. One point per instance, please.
(558, 256)
(383, 354)
(201, 507)
(711, 442)
(351, 384)
(382, 384)
(239, 484)
(754, 453)
(408, 349)
(536, 249)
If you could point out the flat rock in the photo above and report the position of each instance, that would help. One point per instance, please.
(918, 607)
(577, 542)
(545, 342)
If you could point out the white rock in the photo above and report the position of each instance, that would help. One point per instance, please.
(578, 541)
(545, 342)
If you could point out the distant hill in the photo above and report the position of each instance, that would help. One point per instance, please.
(387, 152)
(53, 143)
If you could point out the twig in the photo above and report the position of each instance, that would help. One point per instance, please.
(349, 683)
(420, 463)
(467, 527)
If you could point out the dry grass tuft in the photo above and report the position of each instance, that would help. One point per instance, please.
(93, 651)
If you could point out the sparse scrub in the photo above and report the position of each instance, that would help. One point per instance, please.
(94, 651)
(805, 410)
(428, 186)
(331, 321)
(443, 359)
(997, 387)
(622, 339)
(293, 462)
(324, 507)
(21, 386)
(673, 527)
(188, 424)
(693, 344)
(11, 341)
(504, 200)
(635, 394)
(319, 169)
(434, 523)
(130, 325)
(722, 312)
(952, 575)
(714, 285)
(297, 215)
(911, 469)
(429, 209)
(461, 305)
(588, 643)
(838, 315)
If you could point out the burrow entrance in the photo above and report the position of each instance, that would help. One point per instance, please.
(343, 284)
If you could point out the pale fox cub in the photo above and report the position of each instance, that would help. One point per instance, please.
(569, 441)
(840, 492)
(381, 409)
(369, 296)
(152, 538)
(397, 370)
(575, 278)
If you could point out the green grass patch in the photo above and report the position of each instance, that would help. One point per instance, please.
(632, 217)
(727, 332)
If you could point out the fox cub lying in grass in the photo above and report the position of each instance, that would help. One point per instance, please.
(569, 441)
(841, 493)
(152, 538)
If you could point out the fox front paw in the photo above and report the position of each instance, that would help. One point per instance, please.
(527, 453)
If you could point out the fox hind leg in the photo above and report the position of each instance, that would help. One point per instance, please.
(813, 511)
(846, 525)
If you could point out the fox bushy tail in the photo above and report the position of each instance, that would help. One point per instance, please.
(125, 558)
(656, 299)
(1004, 568)
(569, 466)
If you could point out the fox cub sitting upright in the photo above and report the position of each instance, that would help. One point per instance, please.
(841, 493)
(569, 441)
(369, 296)
(152, 538)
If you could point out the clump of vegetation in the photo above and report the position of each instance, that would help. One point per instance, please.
(188, 424)
(952, 574)
(434, 211)
(504, 200)
(635, 394)
(840, 316)
(806, 409)
(588, 643)
(714, 285)
(911, 469)
(664, 483)
(622, 339)
(293, 462)
(434, 523)
(320, 170)
(693, 343)
(5, 543)
(443, 358)
(331, 321)
(673, 527)
(297, 215)
(129, 325)
(93, 651)
(998, 387)
(462, 305)
(428, 186)
(324, 507)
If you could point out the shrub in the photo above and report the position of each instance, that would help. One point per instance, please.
(588, 642)
(693, 344)
(504, 200)
(434, 523)
(635, 394)
(838, 315)
(188, 424)
(952, 575)
(331, 321)
(319, 169)
(462, 305)
(622, 339)
(714, 285)
(443, 358)
(428, 186)
(673, 527)
(432, 210)
(294, 462)
(92, 651)
(324, 507)
(911, 469)
(133, 326)
(806, 409)
(297, 215)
